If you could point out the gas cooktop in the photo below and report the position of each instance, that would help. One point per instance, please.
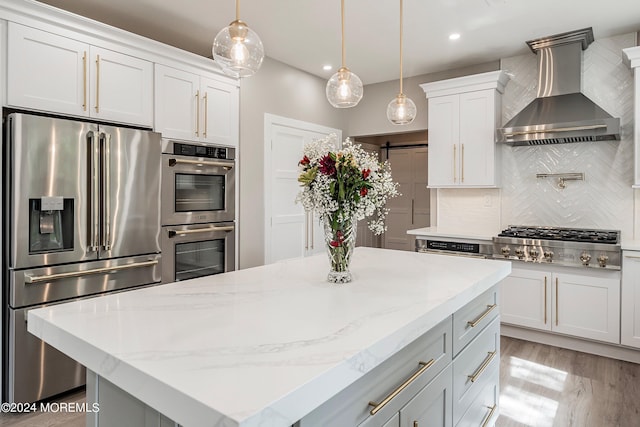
(562, 246)
(565, 234)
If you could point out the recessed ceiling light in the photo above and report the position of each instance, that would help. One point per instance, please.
(327, 67)
(454, 36)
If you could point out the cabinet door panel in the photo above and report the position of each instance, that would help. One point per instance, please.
(46, 71)
(175, 103)
(432, 406)
(526, 299)
(477, 129)
(630, 334)
(444, 135)
(587, 306)
(121, 88)
(219, 112)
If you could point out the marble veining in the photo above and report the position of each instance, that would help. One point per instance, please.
(267, 345)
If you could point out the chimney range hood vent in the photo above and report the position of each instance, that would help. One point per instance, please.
(560, 113)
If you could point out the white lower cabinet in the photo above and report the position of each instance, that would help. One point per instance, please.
(427, 383)
(582, 303)
(630, 315)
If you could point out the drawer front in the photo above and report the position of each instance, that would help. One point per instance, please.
(431, 407)
(473, 318)
(473, 367)
(483, 411)
(393, 422)
(351, 406)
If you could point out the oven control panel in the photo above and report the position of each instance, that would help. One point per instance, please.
(206, 151)
(470, 248)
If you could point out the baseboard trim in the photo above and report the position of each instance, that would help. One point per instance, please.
(563, 341)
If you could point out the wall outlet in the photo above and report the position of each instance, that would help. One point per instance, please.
(488, 202)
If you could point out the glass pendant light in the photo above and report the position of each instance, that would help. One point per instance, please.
(344, 88)
(401, 110)
(238, 49)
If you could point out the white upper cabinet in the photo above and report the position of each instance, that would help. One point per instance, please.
(463, 116)
(632, 55)
(193, 107)
(57, 74)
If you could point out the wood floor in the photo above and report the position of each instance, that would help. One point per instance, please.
(541, 386)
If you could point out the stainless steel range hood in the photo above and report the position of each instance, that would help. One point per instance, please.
(560, 113)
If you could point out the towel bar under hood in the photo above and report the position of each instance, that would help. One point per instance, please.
(560, 113)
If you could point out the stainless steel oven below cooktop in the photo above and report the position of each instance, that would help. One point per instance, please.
(579, 247)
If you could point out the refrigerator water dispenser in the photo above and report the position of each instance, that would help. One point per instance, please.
(50, 224)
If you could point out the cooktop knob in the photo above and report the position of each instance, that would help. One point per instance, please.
(548, 256)
(520, 253)
(534, 253)
(602, 260)
(505, 251)
(585, 258)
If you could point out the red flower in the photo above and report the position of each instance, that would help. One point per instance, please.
(366, 173)
(328, 165)
(305, 161)
(363, 191)
(334, 243)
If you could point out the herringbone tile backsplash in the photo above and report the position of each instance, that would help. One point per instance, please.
(604, 199)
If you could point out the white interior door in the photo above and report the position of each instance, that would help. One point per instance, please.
(289, 231)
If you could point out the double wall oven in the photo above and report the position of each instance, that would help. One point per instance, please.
(198, 210)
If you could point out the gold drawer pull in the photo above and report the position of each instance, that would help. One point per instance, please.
(474, 323)
(378, 406)
(490, 415)
(490, 355)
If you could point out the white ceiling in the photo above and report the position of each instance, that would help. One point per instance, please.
(306, 33)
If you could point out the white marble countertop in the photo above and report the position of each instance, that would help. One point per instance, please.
(267, 345)
(630, 245)
(448, 233)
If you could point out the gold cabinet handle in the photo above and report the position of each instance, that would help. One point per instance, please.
(197, 113)
(84, 81)
(462, 165)
(415, 424)
(490, 355)
(631, 256)
(97, 83)
(474, 323)
(454, 163)
(545, 300)
(222, 164)
(556, 301)
(378, 406)
(206, 109)
(485, 423)
(58, 276)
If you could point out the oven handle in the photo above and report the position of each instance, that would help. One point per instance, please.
(173, 233)
(226, 165)
(50, 277)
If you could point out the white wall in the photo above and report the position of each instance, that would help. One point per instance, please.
(604, 200)
(282, 90)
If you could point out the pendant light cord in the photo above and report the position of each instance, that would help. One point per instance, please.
(237, 10)
(401, 13)
(342, 15)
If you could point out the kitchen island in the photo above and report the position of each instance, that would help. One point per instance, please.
(262, 346)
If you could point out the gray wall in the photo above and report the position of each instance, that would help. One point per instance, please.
(370, 116)
(282, 90)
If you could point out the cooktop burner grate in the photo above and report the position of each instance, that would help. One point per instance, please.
(564, 234)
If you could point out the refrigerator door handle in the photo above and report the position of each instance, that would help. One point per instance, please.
(106, 190)
(50, 277)
(94, 216)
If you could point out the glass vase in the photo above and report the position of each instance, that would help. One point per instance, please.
(340, 238)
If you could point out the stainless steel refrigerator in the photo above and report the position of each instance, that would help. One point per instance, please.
(82, 218)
